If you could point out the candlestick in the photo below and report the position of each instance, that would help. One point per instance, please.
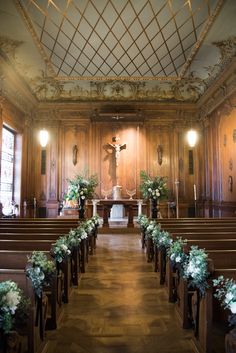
(194, 192)
(177, 197)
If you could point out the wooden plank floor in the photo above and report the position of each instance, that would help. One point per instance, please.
(119, 306)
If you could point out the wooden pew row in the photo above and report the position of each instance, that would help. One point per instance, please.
(34, 343)
(204, 307)
(41, 245)
(18, 260)
(208, 244)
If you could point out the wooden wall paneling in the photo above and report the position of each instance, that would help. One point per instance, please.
(227, 143)
(52, 173)
(182, 166)
(96, 156)
(75, 135)
(1, 126)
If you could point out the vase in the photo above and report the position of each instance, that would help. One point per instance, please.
(154, 208)
(81, 203)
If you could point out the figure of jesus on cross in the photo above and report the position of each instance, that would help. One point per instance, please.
(118, 147)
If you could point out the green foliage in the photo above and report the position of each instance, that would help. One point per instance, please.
(176, 251)
(13, 305)
(61, 249)
(153, 188)
(40, 271)
(81, 187)
(226, 294)
(195, 269)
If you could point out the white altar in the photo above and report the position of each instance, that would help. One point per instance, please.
(117, 211)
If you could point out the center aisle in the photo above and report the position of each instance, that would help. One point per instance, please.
(119, 306)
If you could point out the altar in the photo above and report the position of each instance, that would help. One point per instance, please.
(128, 204)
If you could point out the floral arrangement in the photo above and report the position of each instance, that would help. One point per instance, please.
(151, 227)
(61, 249)
(153, 188)
(13, 306)
(195, 269)
(81, 188)
(41, 271)
(226, 294)
(143, 221)
(176, 251)
(95, 220)
(162, 239)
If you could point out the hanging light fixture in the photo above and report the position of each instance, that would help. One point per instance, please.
(43, 137)
(192, 137)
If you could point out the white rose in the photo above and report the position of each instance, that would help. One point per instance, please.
(233, 307)
(178, 259)
(229, 296)
(63, 247)
(12, 299)
(82, 197)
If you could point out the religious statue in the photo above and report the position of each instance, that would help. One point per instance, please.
(159, 154)
(75, 152)
(118, 147)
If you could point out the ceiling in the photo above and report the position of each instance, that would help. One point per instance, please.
(165, 50)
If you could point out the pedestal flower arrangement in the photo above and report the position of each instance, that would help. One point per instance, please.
(154, 189)
(80, 189)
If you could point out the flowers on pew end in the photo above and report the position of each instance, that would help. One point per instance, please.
(226, 294)
(154, 188)
(195, 269)
(81, 187)
(143, 221)
(161, 238)
(61, 249)
(14, 306)
(176, 251)
(40, 271)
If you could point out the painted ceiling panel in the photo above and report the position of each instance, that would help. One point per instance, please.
(154, 43)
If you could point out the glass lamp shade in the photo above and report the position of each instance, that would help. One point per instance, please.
(192, 137)
(43, 138)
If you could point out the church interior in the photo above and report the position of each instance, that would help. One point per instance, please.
(116, 87)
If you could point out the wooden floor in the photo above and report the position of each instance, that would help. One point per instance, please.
(119, 306)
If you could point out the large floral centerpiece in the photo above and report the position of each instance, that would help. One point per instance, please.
(154, 189)
(13, 306)
(81, 188)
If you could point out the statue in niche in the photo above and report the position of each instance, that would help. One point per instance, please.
(118, 147)
(230, 183)
(74, 154)
(159, 154)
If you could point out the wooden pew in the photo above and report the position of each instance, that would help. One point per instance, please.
(18, 276)
(203, 330)
(41, 245)
(18, 260)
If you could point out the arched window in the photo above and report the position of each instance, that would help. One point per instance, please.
(7, 166)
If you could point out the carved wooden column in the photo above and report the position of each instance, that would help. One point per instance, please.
(52, 173)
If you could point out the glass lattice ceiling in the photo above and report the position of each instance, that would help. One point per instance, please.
(113, 38)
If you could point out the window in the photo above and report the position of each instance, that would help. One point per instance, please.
(7, 166)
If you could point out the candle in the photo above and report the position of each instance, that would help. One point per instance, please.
(194, 192)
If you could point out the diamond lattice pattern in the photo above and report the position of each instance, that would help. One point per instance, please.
(112, 38)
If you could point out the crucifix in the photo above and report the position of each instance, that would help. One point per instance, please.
(118, 147)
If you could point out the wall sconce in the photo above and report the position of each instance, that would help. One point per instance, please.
(192, 137)
(43, 138)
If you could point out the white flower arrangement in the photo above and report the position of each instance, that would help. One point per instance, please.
(176, 251)
(195, 269)
(143, 221)
(40, 271)
(163, 240)
(81, 187)
(61, 249)
(153, 188)
(226, 294)
(12, 304)
(153, 226)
